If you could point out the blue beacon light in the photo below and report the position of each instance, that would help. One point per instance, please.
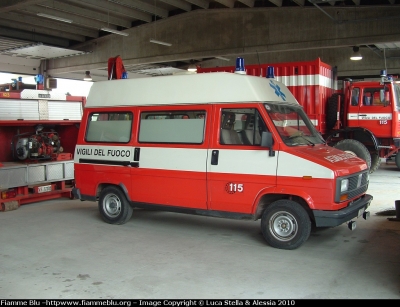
(270, 72)
(240, 66)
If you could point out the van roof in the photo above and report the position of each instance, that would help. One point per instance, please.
(202, 88)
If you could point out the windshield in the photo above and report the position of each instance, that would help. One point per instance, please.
(293, 125)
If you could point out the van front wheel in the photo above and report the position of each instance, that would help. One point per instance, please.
(285, 224)
(114, 207)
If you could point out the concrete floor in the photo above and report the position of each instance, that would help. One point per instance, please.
(61, 249)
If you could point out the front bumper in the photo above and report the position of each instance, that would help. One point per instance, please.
(336, 218)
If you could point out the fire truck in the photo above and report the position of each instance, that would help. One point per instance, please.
(362, 118)
(38, 133)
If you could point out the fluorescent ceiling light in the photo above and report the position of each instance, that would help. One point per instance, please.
(356, 56)
(114, 31)
(192, 68)
(54, 17)
(222, 58)
(87, 77)
(160, 42)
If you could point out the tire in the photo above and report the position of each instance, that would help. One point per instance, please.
(285, 224)
(356, 148)
(397, 159)
(375, 162)
(114, 208)
(331, 112)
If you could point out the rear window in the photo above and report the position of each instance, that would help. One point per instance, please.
(185, 127)
(109, 127)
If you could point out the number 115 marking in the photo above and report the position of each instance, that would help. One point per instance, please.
(236, 187)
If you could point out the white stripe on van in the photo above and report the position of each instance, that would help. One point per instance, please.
(250, 162)
(293, 166)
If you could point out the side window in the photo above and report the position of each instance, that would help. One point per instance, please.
(185, 127)
(241, 127)
(109, 127)
(371, 97)
(355, 95)
(367, 98)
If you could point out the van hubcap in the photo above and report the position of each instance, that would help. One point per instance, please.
(283, 226)
(112, 205)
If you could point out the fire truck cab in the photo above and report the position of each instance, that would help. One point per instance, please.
(219, 144)
(366, 119)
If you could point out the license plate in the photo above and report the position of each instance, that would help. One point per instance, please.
(360, 212)
(45, 188)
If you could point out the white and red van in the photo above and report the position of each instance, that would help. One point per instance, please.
(218, 144)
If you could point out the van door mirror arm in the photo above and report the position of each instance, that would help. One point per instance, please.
(267, 141)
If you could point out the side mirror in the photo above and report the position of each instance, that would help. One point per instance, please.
(382, 96)
(267, 141)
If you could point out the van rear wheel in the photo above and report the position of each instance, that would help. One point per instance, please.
(285, 224)
(114, 208)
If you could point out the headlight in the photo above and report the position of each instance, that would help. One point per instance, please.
(344, 185)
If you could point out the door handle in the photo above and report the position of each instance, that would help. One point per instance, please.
(214, 157)
(136, 154)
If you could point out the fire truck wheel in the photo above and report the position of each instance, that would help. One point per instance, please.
(285, 224)
(356, 148)
(114, 207)
(397, 159)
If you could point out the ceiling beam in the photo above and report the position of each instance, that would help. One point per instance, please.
(299, 2)
(276, 2)
(79, 20)
(179, 4)
(322, 1)
(12, 5)
(75, 10)
(50, 25)
(227, 3)
(116, 9)
(142, 6)
(249, 3)
(38, 34)
(200, 3)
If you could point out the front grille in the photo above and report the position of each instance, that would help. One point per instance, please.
(357, 192)
(358, 185)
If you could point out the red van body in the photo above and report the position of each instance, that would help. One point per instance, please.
(222, 145)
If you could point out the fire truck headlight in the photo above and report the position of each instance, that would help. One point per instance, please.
(344, 185)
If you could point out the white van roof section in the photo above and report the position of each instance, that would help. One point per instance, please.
(202, 88)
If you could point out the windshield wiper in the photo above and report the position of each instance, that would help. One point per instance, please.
(300, 134)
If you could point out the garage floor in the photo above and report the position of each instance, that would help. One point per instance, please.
(61, 249)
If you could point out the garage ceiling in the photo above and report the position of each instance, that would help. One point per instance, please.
(46, 29)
